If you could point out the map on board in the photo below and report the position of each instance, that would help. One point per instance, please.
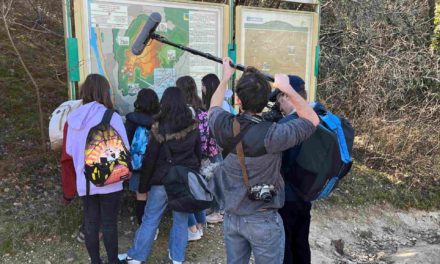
(277, 41)
(113, 26)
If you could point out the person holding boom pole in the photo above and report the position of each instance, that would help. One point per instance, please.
(250, 184)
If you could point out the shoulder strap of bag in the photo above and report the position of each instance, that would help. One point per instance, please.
(240, 152)
(107, 116)
(237, 138)
(334, 124)
(201, 183)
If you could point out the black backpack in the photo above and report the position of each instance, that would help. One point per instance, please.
(187, 190)
(324, 158)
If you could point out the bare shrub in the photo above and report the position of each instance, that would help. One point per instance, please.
(377, 68)
(36, 29)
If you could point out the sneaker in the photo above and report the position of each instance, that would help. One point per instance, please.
(193, 236)
(214, 218)
(200, 231)
(174, 262)
(157, 234)
(122, 256)
(81, 238)
(124, 259)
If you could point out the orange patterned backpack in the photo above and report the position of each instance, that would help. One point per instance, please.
(107, 159)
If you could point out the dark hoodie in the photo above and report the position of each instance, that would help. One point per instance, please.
(136, 119)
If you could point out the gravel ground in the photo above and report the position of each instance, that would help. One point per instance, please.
(374, 235)
(36, 228)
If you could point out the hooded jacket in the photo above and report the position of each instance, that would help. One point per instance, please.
(185, 151)
(79, 123)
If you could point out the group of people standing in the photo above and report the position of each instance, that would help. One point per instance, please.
(194, 130)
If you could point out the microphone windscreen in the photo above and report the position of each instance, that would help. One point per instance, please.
(145, 35)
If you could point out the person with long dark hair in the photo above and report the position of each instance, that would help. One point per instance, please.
(176, 128)
(146, 107)
(101, 204)
(210, 82)
(188, 87)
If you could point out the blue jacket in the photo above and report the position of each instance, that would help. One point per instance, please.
(289, 157)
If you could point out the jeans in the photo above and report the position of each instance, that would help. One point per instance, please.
(102, 210)
(296, 219)
(197, 218)
(144, 237)
(218, 206)
(262, 233)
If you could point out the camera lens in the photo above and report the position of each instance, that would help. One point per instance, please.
(266, 197)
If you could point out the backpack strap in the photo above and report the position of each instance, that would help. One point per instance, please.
(107, 116)
(240, 152)
(237, 138)
(87, 188)
(334, 123)
(201, 183)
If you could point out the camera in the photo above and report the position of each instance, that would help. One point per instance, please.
(274, 114)
(262, 192)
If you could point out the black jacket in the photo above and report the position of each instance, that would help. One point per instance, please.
(185, 150)
(134, 120)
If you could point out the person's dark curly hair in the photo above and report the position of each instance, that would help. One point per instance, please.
(147, 102)
(189, 89)
(253, 90)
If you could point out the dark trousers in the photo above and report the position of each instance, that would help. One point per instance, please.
(102, 210)
(296, 220)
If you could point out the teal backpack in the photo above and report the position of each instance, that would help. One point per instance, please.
(323, 159)
(139, 147)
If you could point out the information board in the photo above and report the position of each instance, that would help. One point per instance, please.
(278, 41)
(106, 30)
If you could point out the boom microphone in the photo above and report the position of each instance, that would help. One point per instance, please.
(146, 33)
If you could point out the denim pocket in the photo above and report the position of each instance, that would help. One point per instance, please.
(263, 229)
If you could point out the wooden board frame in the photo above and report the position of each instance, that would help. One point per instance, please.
(82, 25)
(311, 86)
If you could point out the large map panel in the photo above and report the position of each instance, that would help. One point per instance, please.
(277, 41)
(111, 27)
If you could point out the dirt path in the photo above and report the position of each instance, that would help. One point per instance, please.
(338, 235)
(374, 235)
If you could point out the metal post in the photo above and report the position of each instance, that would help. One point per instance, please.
(68, 35)
(232, 52)
(318, 48)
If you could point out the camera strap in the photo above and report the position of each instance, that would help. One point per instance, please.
(240, 152)
(239, 135)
